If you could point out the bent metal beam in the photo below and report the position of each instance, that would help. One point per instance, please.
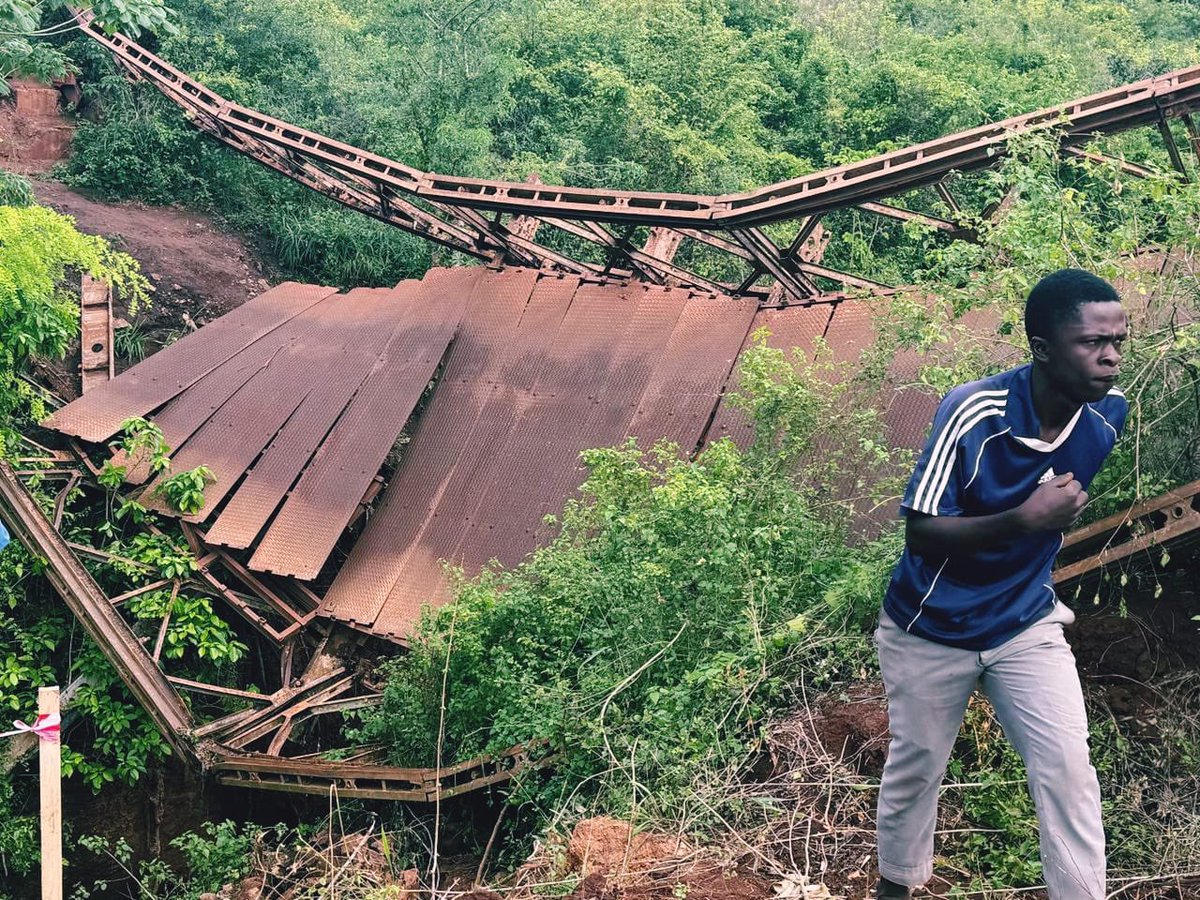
(95, 611)
(447, 209)
(155, 693)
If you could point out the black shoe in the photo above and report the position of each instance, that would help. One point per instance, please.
(889, 890)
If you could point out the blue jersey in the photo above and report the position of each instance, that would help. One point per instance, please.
(984, 456)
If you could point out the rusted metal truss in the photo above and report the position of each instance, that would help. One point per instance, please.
(1119, 539)
(94, 611)
(371, 782)
(225, 746)
(451, 211)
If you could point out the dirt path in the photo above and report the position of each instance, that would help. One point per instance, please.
(197, 269)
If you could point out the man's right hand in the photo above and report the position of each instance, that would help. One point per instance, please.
(1053, 506)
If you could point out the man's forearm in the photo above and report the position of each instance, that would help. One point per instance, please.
(938, 536)
(1053, 506)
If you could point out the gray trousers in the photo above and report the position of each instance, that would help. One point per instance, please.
(1033, 685)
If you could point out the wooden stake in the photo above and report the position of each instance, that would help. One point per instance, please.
(50, 778)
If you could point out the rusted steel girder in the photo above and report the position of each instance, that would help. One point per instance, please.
(96, 613)
(372, 782)
(1154, 523)
(1121, 165)
(386, 189)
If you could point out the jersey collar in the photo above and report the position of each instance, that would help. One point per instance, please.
(1022, 418)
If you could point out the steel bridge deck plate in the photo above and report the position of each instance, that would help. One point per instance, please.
(276, 470)
(576, 366)
(155, 380)
(325, 496)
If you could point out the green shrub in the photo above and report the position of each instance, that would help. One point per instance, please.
(217, 855)
(15, 190)
(184, 491)
(682, 602)
(19, 844)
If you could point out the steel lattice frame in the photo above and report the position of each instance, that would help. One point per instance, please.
(451, 211)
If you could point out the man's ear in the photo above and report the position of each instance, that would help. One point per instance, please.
(1040, 348)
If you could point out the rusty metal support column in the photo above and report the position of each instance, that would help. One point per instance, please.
(810, 234)
(1121, 165)
(618, 249)
(526, 227)
(95, 613)
(96, 333)
(948, 198)
(663, 243)
(1172, 148)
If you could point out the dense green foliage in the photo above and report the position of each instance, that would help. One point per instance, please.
(678, 95)
(110, 737)
(217, 854)
(40, 252)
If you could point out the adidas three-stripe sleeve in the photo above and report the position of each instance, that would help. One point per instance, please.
(965, 419)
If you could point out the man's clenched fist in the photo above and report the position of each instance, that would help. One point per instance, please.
(1054, 505)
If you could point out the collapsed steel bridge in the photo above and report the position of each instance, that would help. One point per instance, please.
(297, 398)
(450, 211)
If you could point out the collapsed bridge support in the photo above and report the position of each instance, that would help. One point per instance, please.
(218, 746)
(297, 399)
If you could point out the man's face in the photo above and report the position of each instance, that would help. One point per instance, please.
(1083, 356)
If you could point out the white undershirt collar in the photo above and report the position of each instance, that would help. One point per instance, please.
(1045, 446)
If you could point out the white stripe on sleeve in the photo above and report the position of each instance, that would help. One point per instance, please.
(982, 413)
(947, 440)
(1100, 416)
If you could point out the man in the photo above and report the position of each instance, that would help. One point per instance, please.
(971, 602)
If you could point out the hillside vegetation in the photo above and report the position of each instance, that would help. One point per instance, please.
(678, 638)
(675, 95)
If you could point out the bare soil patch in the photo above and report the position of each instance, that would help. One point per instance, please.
(198, 272)
(196, 268)
(35, 130)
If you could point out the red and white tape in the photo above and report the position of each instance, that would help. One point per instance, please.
(46, 727)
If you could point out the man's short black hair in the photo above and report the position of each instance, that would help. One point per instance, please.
(1055, 300)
